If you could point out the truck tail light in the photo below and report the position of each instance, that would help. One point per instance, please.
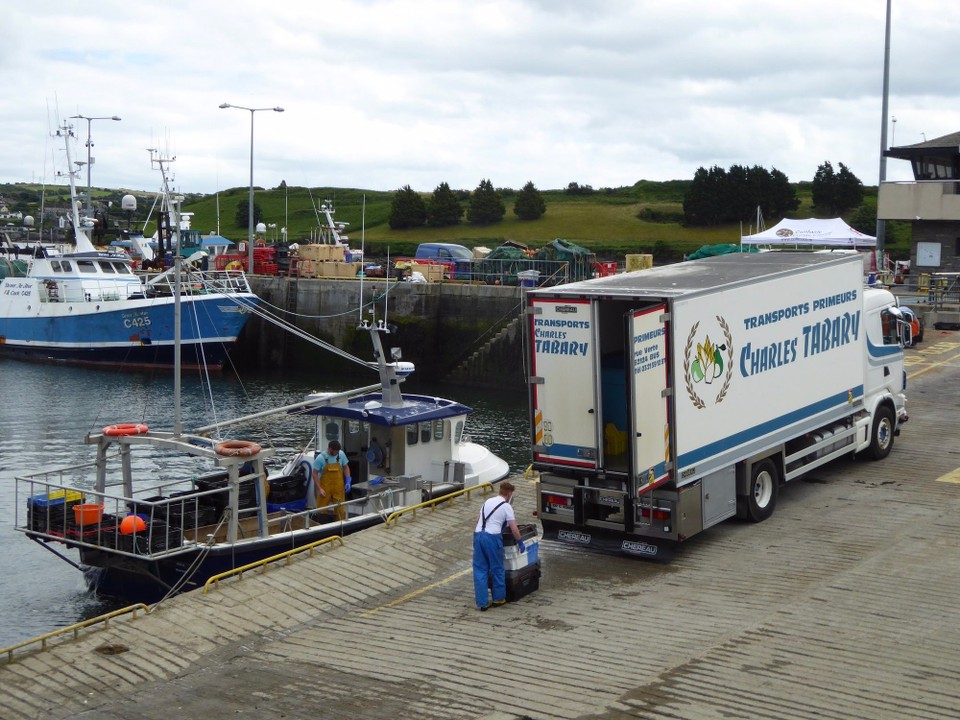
(661, 514)
(558, 500)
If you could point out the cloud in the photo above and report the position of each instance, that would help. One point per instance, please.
(382, 93)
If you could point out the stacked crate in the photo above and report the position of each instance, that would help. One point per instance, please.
(522, 570)
(264, 261)
(51, 512)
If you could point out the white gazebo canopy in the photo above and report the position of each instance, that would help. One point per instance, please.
(811, 233)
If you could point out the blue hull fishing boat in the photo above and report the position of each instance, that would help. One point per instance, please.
(88, 306)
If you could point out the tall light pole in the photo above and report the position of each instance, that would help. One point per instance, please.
(223, 106)
(881, 224)
(89, 158)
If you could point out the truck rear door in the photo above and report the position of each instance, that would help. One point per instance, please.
(564, 389)
(649, 380)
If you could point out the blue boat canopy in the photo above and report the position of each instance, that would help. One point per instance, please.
(416, 408)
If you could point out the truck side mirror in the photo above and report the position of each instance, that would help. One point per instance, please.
(906, 333)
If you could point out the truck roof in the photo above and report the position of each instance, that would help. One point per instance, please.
(709, 274)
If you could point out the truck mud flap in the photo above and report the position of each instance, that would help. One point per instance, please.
(612, 543)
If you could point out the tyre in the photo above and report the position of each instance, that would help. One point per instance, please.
(881, 440)
(761, 498)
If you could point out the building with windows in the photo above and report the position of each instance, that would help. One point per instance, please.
(930, 203)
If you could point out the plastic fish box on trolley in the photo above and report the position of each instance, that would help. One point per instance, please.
(522, 568)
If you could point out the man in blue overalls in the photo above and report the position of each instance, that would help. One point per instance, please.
(488, 547)
(331, 478)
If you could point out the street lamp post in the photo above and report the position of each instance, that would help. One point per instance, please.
(223, 106)
(89, 158)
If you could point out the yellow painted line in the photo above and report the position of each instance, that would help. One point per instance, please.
(416, 593)
(931, 366)
(951, 477)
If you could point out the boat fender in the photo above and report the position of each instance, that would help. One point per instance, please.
(236, 448)
(124, 429)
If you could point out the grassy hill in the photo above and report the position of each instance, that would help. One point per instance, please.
(642, 218)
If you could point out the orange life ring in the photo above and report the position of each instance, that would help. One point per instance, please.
(237, 448)
(123, 429)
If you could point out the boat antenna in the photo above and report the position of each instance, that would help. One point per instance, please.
(363, 237)
(386, 293)
(313, 204)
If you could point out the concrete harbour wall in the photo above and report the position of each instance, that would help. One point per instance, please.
(439, 326)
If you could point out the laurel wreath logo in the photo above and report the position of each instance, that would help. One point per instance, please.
(689, 362)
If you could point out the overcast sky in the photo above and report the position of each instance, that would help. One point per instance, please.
(381, 94)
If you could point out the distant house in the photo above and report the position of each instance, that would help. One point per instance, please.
(931, 203)
(5, 214)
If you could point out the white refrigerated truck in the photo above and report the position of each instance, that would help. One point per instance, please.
(668, 400)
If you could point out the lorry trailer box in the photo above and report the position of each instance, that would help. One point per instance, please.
(665, 401)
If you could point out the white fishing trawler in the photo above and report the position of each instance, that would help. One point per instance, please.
(141, 538)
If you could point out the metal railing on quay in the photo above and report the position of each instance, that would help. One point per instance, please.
(75, 629)
(432, 504)
(935, 291)
(214, 581)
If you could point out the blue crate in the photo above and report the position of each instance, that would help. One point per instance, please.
(292, 506)
(56, 498)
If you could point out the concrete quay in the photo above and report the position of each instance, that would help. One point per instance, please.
(841, 605)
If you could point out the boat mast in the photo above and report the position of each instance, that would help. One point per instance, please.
(81, 232)
(161, 163)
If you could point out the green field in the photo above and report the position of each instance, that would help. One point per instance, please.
(607, 221)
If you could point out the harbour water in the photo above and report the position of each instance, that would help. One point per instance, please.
(47, 410)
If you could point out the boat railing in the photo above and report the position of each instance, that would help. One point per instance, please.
(382, 502)
(176, 516)
(193, 281)
(50, 509)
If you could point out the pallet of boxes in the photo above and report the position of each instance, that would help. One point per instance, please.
(638, 261)
(430, 272)
(325, 261)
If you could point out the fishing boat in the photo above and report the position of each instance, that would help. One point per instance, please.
(144, 538)
(88, 307)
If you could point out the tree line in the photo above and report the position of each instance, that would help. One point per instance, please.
(446, 207)
(717, 196)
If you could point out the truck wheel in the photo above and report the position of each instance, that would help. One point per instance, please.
(762, 495)
(882, 440)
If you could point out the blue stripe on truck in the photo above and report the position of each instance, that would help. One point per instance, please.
(771, 426)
